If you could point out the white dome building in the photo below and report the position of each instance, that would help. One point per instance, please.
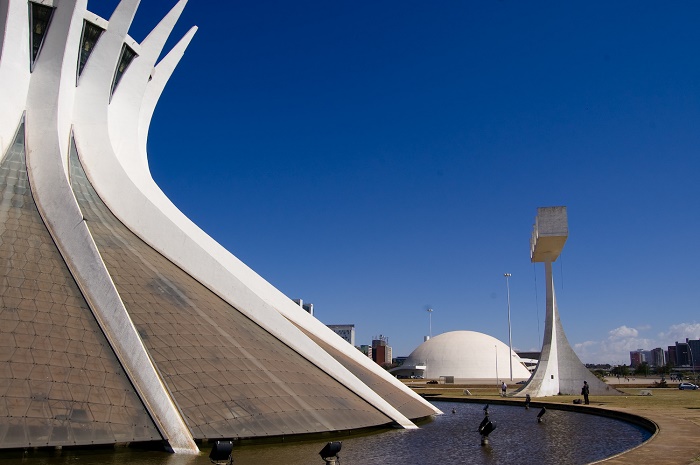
(463, 355)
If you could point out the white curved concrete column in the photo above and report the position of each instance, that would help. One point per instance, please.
(49, 111)
(226, 263)
(14, 67)
(124, 113)
(160, 75)
(136, 200)
(545, 381)
(4, 9)
(559, 370)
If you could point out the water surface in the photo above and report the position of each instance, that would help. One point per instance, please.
(562, 438)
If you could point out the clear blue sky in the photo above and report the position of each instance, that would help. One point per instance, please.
(376, 158)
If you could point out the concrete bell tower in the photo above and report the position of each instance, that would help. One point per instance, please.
(559, 370)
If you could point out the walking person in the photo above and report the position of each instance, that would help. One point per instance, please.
(585, 391)
(503, 388)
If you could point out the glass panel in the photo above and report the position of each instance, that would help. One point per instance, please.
(55, 363)
(90, 36)
(125, 58)
(229, 376)
(39, 19)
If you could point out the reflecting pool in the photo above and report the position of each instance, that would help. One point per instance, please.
(562, 438)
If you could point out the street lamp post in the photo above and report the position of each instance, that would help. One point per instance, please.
(430, 323)
(510, 339)
(497, 384)
(692, 362)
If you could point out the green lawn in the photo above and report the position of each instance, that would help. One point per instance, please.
(662, 398)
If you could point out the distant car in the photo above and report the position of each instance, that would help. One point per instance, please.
(684, 386)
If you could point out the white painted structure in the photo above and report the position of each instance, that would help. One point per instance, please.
(463, 355)
(559, 370)
(346, 332)
(110, 125)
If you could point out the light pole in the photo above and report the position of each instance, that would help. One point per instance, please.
(430, 322)
(496, 348)
(510, 339)
(692, 362)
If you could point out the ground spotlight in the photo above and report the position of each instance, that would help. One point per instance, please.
(541, 414)
(329, 453)
(485, 428)
(221, 453)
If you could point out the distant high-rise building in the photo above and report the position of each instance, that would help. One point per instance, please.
(694, 351)
(381, 351)
(672, 359)
(682, 354)
(654, 357)
(657, 358)
(308, 307)
(365, 349)
(636, 358)
(347, 332)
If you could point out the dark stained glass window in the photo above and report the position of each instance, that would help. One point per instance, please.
(125, 58)
(90, 36)
(39, 19)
